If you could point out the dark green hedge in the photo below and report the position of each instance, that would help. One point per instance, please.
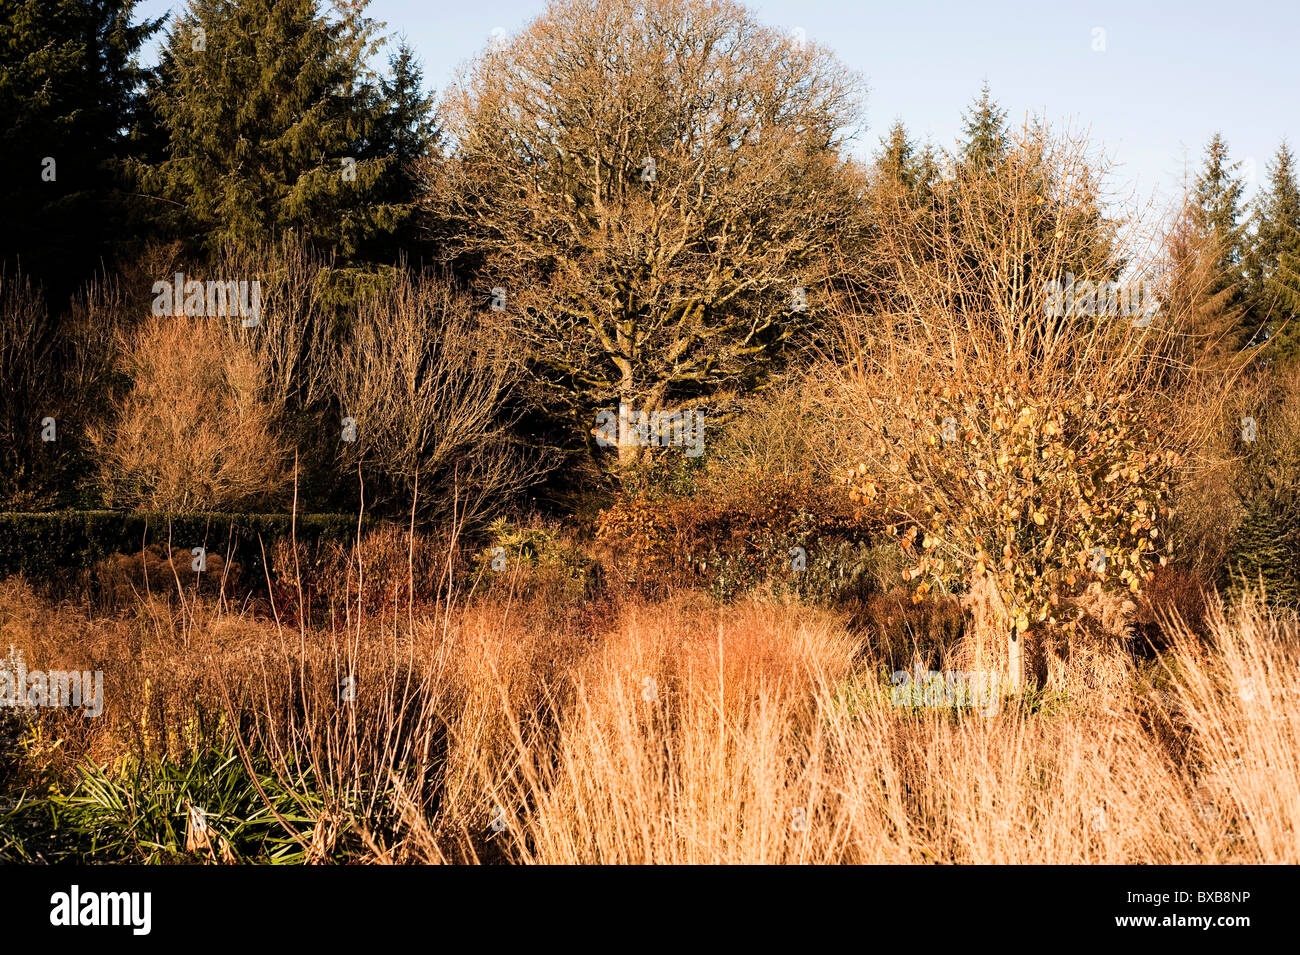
(40, 545)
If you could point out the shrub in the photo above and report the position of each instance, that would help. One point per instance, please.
(42, 545)
(56, 369)
(779, 431)
(424, 381)
(552, 562)
(1264, 547)
(196, 430)
(782, 532)
(1045, 496)
(120, 579)
(388, 567)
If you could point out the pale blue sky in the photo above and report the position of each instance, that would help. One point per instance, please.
(1171, 73)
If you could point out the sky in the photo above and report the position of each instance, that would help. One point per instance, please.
(1149, 82)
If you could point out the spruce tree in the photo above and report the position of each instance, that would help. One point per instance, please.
(268, 110)
(984, 142)
(1216, 216)
(407, 132)
(1275, 258)
(927, 172)
(1265, 551)
(70, 88)
(992, 163)
(897, 160)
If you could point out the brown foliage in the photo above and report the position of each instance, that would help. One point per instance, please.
(683, 731)
(733, 534)
(123, 580)
(197, 429)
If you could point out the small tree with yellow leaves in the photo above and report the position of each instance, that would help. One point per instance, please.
(1043, 495)
(1015, 442)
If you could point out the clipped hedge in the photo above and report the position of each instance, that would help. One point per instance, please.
(40, 545)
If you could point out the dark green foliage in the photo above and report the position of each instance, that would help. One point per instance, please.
(1216, 216)
(985, 141)
(1217, 194)
(40, 545)
(1265, 547)
(1274, 260)
(901, 171)
(138, 810)
(405, 131)
(69, 91)
(274, 125)
(1266, 553)
(898, 162)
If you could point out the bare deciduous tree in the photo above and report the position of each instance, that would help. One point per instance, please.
(291, 338)
(56, 370)
(423, 382)
(652, 185)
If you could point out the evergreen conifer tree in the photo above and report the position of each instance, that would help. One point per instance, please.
(1216, 216)
(70, 89)
(1274, 259)
(984, 141)
(274, 124)
(406, 132)
(897, 161)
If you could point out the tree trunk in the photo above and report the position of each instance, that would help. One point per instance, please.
(1016, 659)
(989, 623)
(629, 451)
